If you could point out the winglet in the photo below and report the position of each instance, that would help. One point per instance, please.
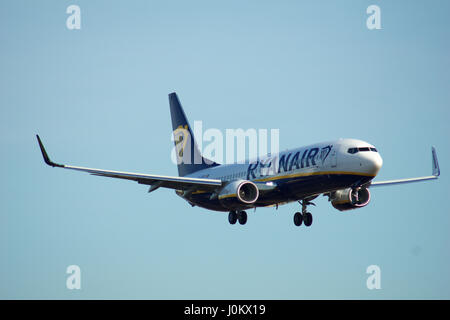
(45, 155)
(435, 164)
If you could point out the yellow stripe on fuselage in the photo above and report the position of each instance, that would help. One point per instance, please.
(298, 175)
(227, 196)
(316, 173)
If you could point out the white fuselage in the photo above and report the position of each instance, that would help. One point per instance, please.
(303, 171)
(339, 160)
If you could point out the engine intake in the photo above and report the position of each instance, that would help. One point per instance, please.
(247, 192)
(238, 193)
(348, 199)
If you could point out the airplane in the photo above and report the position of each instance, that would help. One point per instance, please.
(341, 169)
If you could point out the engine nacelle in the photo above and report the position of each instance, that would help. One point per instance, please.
(237, 194)
(347, 199)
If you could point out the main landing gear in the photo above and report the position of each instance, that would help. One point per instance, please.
(240, 216)
(305, 216)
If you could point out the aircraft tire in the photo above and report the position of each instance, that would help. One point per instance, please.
(298, 219)
(232, 217)
(242, 217)
(308, 219)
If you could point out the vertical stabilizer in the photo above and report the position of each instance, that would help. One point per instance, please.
(189, 157)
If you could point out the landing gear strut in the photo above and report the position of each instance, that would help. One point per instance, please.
(305, 216)
(240, 216)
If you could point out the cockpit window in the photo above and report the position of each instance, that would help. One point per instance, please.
(362, 149)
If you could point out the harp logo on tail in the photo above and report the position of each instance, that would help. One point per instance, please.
(182, 137)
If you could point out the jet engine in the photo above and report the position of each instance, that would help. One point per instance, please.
(237, 194)
(347, 199)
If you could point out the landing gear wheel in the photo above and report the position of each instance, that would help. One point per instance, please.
(232, 217)
(298, 219)
(242, 217)
(308, 219)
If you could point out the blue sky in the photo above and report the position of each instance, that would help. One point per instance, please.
(98, 98)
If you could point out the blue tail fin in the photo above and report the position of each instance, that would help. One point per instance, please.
(189, 157)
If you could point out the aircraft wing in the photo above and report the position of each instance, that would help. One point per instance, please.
(435, 174)
(155, 181)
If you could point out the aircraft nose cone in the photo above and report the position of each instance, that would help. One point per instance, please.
(374, 164)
